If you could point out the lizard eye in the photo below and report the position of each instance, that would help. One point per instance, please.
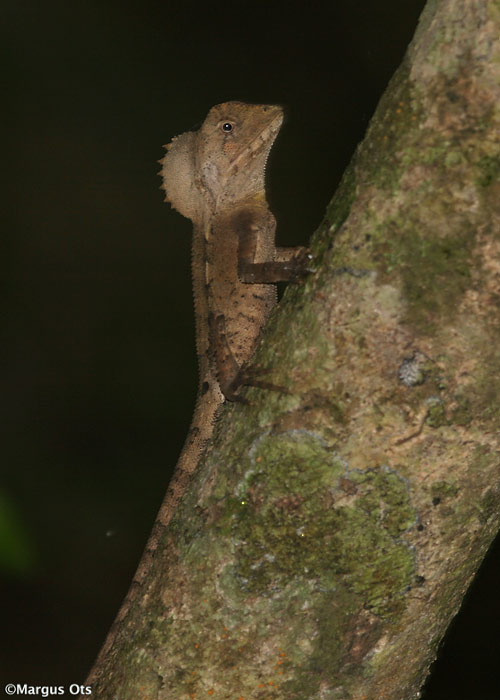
(227, 127)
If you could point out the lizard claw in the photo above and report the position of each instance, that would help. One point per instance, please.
(300, 265)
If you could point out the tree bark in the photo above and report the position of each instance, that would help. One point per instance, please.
(328, 539)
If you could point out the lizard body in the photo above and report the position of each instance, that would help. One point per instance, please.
(215, 177)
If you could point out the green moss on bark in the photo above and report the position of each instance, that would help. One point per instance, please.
(313, 534)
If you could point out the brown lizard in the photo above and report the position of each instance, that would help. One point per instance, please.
(215, 177)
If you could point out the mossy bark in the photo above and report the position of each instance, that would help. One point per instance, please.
(331, 533)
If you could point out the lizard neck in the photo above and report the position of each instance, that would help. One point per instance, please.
(252, 199)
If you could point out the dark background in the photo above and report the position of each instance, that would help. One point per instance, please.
(97, 358)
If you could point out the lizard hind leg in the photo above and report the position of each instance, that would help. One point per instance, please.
(230, 376)
(227, 369)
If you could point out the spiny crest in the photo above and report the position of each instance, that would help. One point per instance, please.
(178, 173)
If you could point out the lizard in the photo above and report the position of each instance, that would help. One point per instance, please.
(215, 177)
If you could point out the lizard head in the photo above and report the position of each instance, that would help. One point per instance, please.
(223, 162)
(233, 146)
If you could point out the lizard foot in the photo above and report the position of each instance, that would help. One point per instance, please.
(300, 266)
(251, 376)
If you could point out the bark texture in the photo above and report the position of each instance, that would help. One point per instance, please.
(330, 536)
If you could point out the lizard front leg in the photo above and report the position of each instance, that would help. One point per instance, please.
(287, 265)
(233, 336)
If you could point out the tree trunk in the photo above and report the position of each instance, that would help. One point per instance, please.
(331, 533)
